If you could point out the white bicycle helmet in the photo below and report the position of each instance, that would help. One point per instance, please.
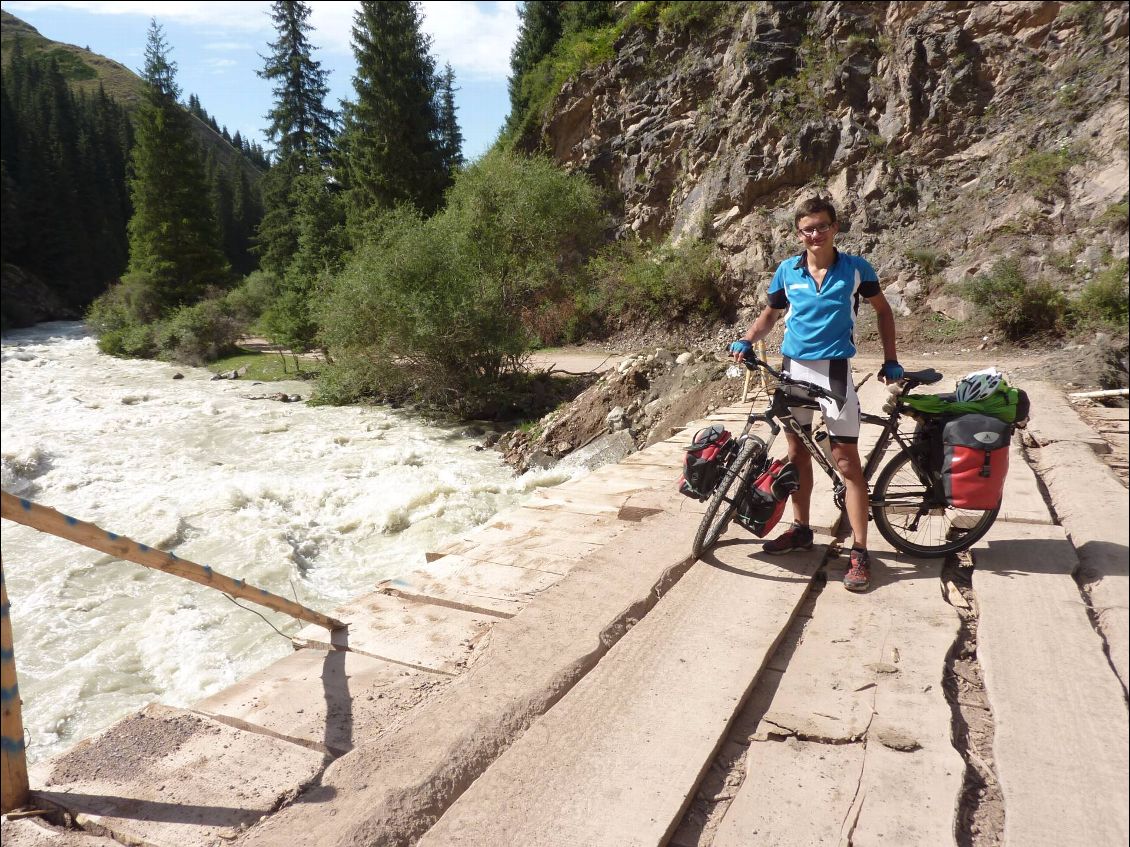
(978, 385)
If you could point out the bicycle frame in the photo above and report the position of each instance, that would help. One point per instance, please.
(779, 416)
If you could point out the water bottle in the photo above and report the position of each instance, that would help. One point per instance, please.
(821, 438)
(894, 391)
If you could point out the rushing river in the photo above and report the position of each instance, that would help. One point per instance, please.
(314, 502)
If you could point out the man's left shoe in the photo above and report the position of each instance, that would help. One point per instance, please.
(858, 576)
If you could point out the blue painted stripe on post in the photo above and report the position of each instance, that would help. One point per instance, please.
(208, 571)
(9, 694)
(11, 745)
(111, 536)
(264, 591)
(240, 583)
(70, 521)
(142, 548)
(26, 504)
(7, 654)
(172, 555)
(4, 609)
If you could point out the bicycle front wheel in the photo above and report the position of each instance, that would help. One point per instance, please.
(908, 515)
(722, 502)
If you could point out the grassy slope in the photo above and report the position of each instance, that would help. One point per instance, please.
(86, 70)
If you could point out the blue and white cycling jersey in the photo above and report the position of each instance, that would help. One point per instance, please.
(820, 323)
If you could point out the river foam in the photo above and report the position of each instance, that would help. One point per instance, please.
(309, 502)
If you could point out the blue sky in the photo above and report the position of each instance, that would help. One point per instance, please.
(217, 47)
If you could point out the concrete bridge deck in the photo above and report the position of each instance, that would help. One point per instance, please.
(568, 675)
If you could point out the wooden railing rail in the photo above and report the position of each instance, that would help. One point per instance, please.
(48, 520)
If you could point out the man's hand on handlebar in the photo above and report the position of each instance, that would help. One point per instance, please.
(740, 350)
(891, 371)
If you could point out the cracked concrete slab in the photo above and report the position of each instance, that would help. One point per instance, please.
(32, 832)
(1022, 501)
(419, 635)
(867, 672)
(329, 701)
(1091, 504)
(502, 590)
(170, 778)
(801, 795)
(615, 762)
(1062, 743)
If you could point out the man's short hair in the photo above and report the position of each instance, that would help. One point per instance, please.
(814, 206)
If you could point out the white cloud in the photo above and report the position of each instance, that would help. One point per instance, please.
(219, 66)
(228, 46)
(474, 37)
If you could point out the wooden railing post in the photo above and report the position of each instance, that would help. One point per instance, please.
(13, 760)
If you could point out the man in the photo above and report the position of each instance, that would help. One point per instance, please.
(821, 289)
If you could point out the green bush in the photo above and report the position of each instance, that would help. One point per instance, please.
(197, 334)
(250, 298)
(1116, 216)
(1103, 300)
(692, 15)
(927, 261)
(122, 318)
(431, 311)
(633, 280)
(1045, 172)
(1016, 305)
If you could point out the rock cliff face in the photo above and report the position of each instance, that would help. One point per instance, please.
(947, 133)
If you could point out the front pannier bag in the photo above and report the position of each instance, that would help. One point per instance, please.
(706, 460)
(764, 502)
(975, 461)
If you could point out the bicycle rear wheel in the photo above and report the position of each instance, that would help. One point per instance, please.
(720, 508)
(908, 515)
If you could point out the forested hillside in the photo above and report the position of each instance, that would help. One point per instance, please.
(67, 139)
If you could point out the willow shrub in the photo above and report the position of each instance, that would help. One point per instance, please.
(1015, 304)
(430, 311)
(635, 281)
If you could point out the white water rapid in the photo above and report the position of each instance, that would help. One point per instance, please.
(315, 501)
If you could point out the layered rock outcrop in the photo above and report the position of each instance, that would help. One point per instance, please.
(957, 130)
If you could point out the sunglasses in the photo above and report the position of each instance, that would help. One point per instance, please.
(812, 232)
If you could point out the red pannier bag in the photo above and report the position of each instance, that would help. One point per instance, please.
(975, 461)
(764, 503)
(710, 452)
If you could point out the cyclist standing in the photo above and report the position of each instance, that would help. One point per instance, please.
(820, 290)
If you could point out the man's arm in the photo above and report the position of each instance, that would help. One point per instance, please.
(886, 325)
(760, 328)
(763, 324)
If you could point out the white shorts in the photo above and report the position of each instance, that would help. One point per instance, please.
(835, 375)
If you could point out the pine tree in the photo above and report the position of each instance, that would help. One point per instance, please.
(300, 121)
(299, 238)
(301, 127)
(450, 136)
(390, 141)
(173, 235)
(540, 29)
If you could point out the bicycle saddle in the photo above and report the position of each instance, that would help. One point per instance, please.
(925, 377)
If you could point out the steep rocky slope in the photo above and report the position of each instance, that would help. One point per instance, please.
(949, 134)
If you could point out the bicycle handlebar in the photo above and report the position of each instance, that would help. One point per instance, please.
(751, 361)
